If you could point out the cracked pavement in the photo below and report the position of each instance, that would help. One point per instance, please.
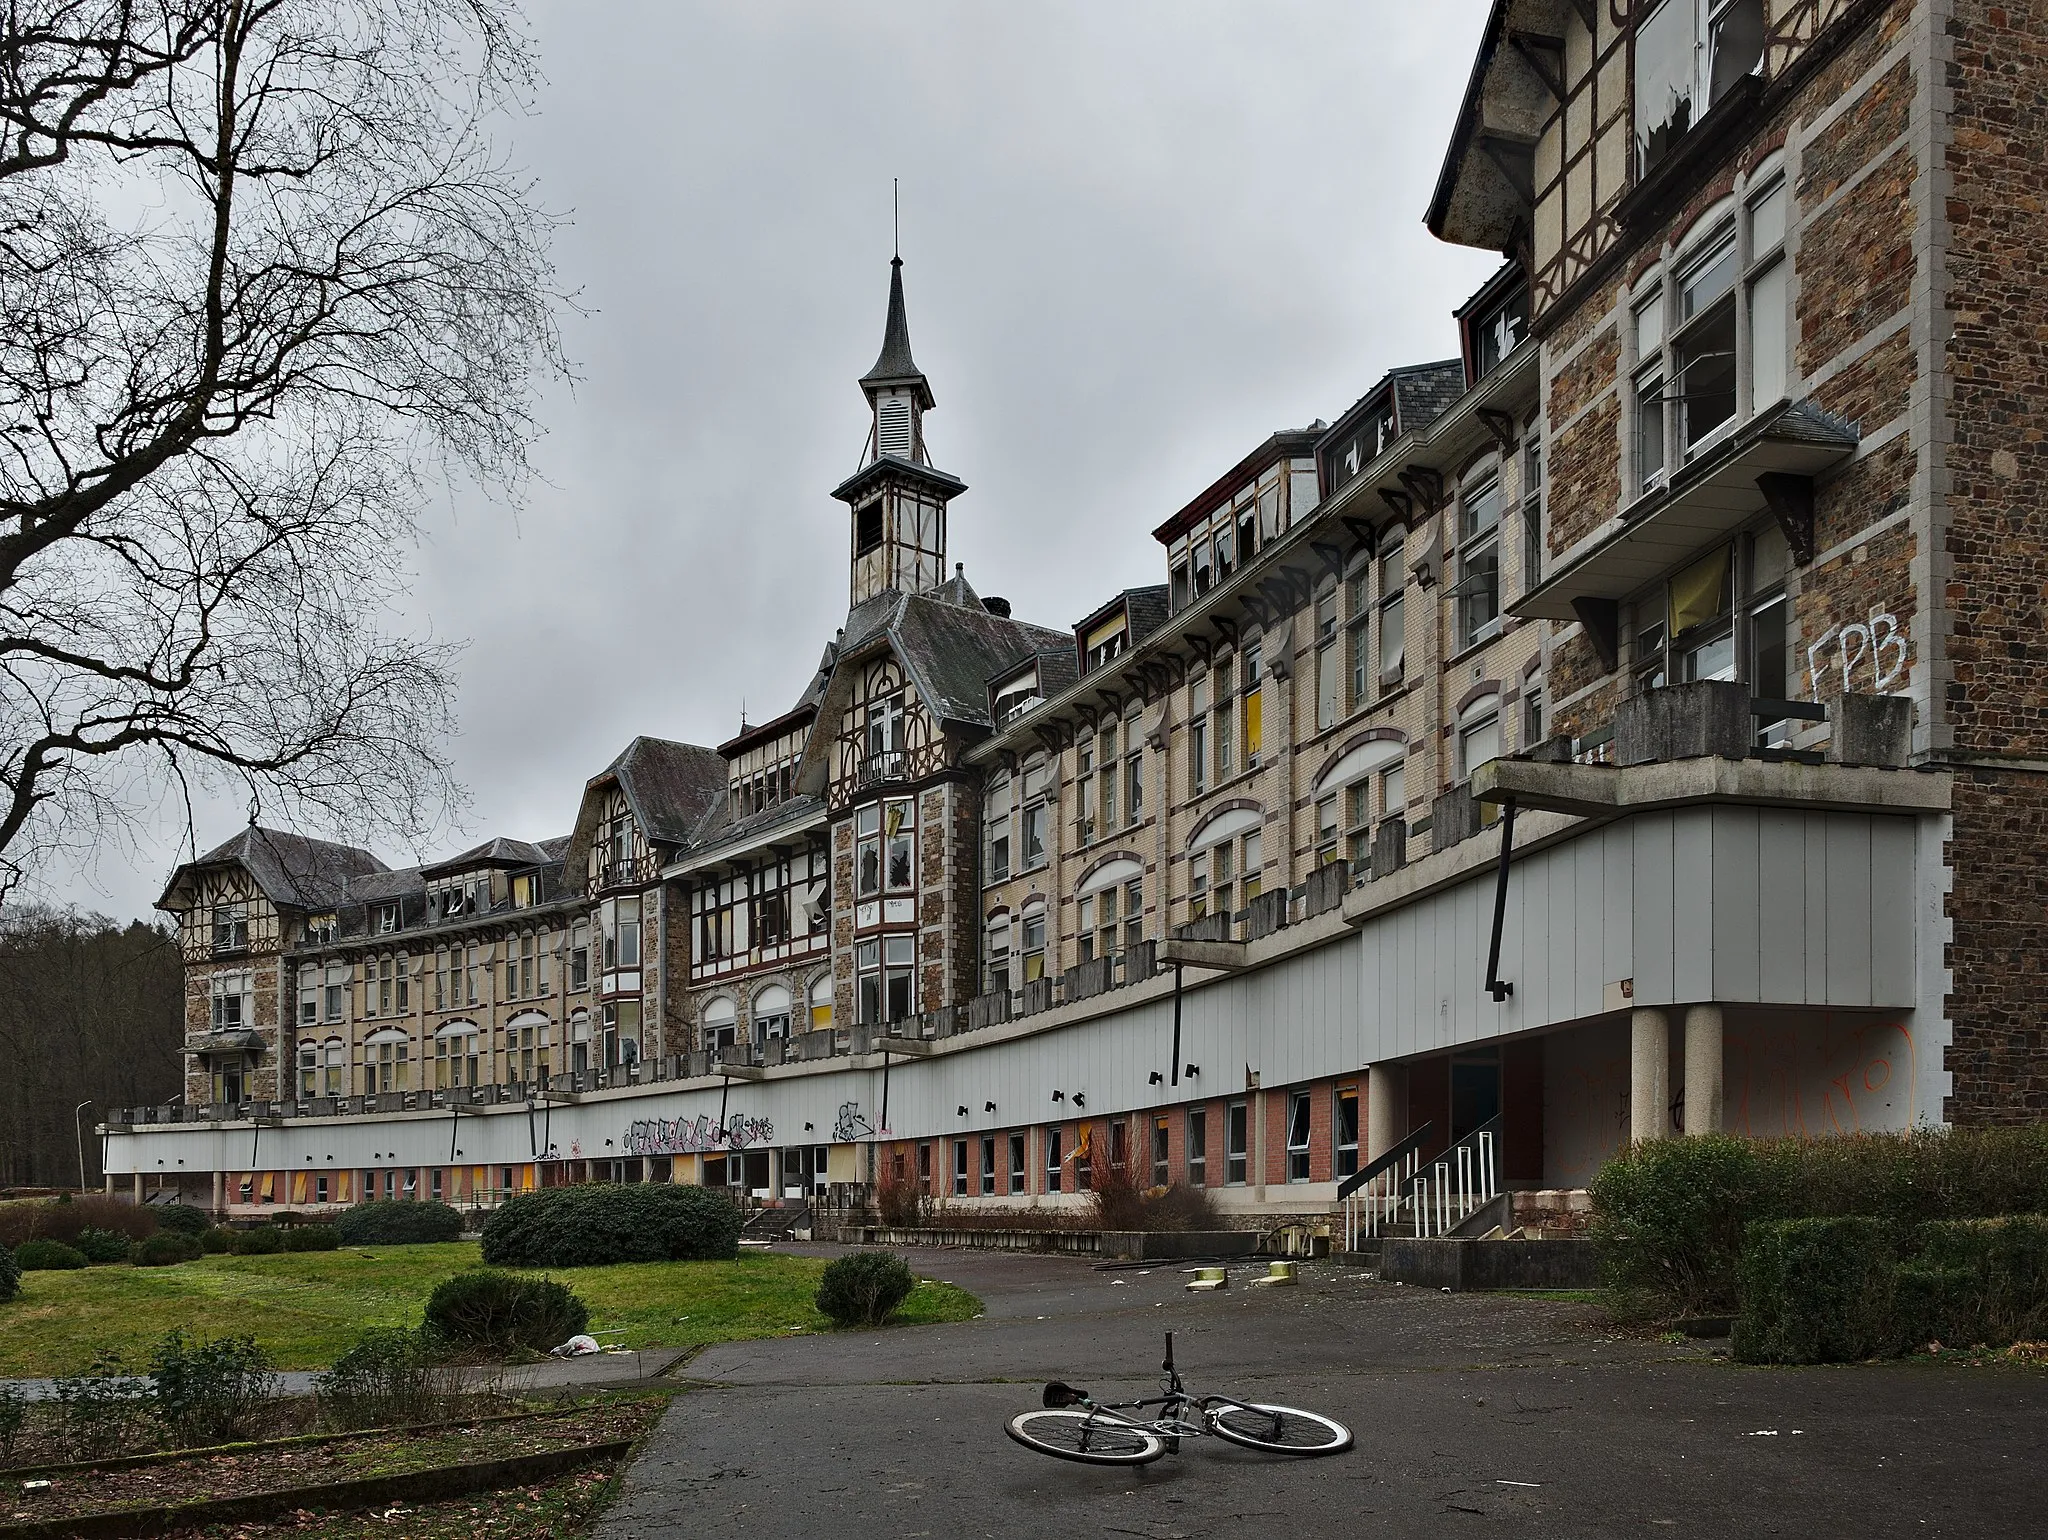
(1505, 1415)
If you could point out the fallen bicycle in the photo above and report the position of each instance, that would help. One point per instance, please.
(1073, 1425)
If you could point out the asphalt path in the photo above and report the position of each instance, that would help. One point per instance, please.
(1474, 1414)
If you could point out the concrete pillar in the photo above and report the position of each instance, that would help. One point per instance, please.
(1258, 1142)
(1703, 1085)
(1649, 1075)
(138, 1189)
(220, 1192)
(1386, 1101)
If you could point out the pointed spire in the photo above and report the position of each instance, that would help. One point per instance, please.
(896, 366)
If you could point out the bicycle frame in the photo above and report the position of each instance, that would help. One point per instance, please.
(1173, 1425)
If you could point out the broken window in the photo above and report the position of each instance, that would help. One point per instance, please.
(1478, 587)
(1689, 54)
(899, 988)
(579, 955)
(1033, 947)
(900, 824)
(1198, 1147)
(1347, 1131)
(1236, 1125)
(230, 927)
(998, 952)
(867, 528)
(234, 1001)
(867, 851)
(1299, 1123)
(1498, 332)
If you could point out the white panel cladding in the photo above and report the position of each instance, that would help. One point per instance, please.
(1737, 904)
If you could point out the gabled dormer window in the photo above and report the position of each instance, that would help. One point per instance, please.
(1105, 642)
(230, 927)
(1689, 54)
(384, 919)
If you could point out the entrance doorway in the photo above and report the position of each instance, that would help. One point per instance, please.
(803, 1171)
(1475, 1093)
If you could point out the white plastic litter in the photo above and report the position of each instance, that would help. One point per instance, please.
(576, 1347)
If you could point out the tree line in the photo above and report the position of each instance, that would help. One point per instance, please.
(89, 1011)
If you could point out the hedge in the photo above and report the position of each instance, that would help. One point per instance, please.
(487, 1308)
(166, 1248)
(48, 1257)
(589, 1226)
(397, 1222)
(1839, 1290)
(1670, 1215)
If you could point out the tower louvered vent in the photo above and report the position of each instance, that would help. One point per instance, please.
(892, 426)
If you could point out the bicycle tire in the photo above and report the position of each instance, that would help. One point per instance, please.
(1279, 1429)
(1066, 1434)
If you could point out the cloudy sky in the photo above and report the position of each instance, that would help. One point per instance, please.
(1138, 236)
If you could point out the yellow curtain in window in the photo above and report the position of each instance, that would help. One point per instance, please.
(1254, 722)
(344, 1187)
(821, 1017)
(1696, 593)
(269, 1186)
(298, 1187)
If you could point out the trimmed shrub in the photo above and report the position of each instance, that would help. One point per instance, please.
(218, 1241)
(1817, 1291)
(311, 1238)
(864, 1288)
(386, 1378)
(1670, 1214)
(101, 1246)
(10, 1275)
(590, 1226)
(208, 1392)
(397, 1222)
(1976, 1281)
(166, 1248)
(48, 1257)
(263, 1241)
(183, 1218)
(491, 1309)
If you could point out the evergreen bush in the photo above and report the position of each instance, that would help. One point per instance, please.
(10, 1275)
(263, 1241)
(311, 1238)
(183, 1218)
(397, 1222)
(864, 1288)
(218, 1241)
(487, 1308)
(48, 1257)
(1817, 1291)
(100, 1246)
(166, 1248)
(590, 1226)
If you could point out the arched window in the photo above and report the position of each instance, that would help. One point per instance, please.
(771, 1013)
(821, 1002)
(1365, 785)
(387, 1062)
(721, 1023)
(996, 974)
(334, 1067)
(1031, 944)
(455, 1055)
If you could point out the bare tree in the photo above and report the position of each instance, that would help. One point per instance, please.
(263, 279)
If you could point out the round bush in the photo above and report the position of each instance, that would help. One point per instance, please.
(218, 1241)
(311, 1238)
(166, 1248)
(48, 1257)
(10, 1275)
(397, 1222)
(183, 1218)
(101, 1246)
(488, 1308)
(263, 1241)
(591, 1226)
(864, 1288)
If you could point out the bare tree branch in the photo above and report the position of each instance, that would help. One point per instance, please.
(264, 279)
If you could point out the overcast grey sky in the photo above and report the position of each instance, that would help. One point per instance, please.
(1137, 238)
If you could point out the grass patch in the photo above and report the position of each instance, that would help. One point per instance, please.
(305, 1308)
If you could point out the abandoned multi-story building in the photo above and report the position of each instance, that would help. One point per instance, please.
(1627, 727)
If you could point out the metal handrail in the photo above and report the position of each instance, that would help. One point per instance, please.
(1385, 1162)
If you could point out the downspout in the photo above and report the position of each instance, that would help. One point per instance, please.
(1495, 986)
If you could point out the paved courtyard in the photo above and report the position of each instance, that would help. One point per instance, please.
(1474, 1414)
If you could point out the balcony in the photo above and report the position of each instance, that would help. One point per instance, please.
(1771, 462)
(634, 872)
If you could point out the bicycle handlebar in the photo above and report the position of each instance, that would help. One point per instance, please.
(1168, 1365)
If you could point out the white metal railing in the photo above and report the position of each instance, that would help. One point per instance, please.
(1432, 1198)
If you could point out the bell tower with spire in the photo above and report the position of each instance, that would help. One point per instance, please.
(898, 499)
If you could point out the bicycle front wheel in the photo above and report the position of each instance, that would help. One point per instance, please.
(1066, 1434)
(1279, 1429)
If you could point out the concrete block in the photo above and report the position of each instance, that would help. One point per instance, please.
(1177, 1245)
(1683, 721)
(1389, 847)
(1453, 817)
(1871, 730)
(1460, 1265)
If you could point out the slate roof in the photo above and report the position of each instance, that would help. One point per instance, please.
(493, 852)
(719, 829)
(669, 785)
(895, 366)
(380, 887)
(1424, 392)
(292, 870)
(1148, 609)
(952, 652)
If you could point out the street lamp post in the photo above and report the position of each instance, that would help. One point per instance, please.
(78, 1127)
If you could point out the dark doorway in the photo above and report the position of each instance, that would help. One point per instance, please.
(1475, 1094)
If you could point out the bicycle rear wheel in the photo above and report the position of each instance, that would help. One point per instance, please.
(1066, 1434)
(1279, 1429)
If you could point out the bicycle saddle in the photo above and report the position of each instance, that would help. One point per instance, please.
(1059, 1394)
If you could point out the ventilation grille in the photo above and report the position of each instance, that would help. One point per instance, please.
(892, 426)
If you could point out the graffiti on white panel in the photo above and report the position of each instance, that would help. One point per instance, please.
(1867, 656)
(851, 1124)
(697, 1136)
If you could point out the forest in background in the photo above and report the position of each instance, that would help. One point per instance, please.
(89, 1011)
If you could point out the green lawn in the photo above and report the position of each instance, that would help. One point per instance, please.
(306, 1307)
